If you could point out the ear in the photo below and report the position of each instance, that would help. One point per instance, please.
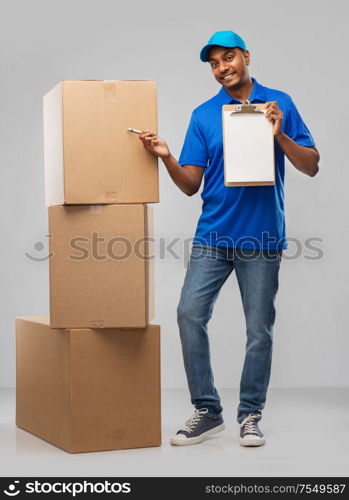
(247, 57)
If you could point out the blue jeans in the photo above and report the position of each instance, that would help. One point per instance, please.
(257, 275)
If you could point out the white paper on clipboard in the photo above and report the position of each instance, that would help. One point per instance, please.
(248, 146)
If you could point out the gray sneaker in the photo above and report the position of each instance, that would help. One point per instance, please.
(250, 433)
(198, 428)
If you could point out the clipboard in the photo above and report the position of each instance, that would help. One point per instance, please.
(248, 145)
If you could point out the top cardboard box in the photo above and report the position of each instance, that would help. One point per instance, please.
(90, 156)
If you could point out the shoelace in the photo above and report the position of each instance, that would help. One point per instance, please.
(195, 419)
(249, 424)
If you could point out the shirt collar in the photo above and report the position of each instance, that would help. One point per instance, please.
(258, 94)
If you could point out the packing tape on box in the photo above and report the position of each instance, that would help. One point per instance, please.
(112, 196)
(97, 324)
(95, 209)
(109, 87)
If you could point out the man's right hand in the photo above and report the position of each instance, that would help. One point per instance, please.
(154, 144)
(187, 177)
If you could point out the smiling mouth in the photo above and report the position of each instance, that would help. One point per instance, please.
(229, 75)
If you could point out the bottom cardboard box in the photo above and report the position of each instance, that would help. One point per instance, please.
(88, 390)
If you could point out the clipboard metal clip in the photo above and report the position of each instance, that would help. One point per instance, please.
(247, 107)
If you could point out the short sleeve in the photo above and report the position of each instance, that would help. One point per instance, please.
(296, 129)
(194, 150)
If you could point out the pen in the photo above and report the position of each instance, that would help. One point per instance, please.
(135, 131)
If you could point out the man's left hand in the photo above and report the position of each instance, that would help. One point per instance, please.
(274, 115)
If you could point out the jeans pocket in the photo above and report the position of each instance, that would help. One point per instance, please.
(197, 249)
(272, 255)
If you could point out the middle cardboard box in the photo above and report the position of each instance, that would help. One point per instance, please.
(101, 266)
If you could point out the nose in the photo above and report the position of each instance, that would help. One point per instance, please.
(223, 66)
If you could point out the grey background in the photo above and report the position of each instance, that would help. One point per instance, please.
(298, 47)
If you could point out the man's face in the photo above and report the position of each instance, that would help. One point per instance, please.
(229, 66)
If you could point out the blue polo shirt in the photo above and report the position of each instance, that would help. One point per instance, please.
(250, 217)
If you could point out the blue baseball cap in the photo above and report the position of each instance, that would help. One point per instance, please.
(223, 39)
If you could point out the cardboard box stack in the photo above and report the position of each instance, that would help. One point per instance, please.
(88, 376)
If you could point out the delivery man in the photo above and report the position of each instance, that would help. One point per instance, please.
(240, 228)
